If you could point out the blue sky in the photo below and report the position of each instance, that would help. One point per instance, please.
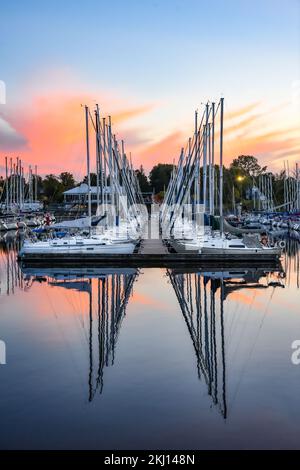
(172, 54)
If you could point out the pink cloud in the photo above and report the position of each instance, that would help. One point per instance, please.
(52, 127)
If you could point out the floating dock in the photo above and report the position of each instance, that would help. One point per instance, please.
(152, 253)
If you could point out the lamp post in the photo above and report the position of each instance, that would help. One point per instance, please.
(240, 179)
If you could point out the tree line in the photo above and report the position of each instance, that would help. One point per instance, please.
(242, 174)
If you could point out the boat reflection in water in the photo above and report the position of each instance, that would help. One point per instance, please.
(109, 291)
(202, 299)
(202, 296)
(11, 277)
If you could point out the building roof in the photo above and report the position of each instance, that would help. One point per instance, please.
(83, 190)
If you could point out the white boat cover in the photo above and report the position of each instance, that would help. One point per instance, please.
(83, 222)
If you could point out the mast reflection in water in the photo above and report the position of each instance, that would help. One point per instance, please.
(109, 291)
(10, 274)
(203, 359)
(202, 299)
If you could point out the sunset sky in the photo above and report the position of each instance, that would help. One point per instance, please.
(149, 64)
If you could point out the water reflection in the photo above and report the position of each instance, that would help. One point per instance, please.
(230, 328)
(108, 293)
(11, 277)
(291, 262)
(202, 296)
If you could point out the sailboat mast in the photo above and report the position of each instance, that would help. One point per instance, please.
(196, 182)
(10, 185)
(6, 180)
(213, 159)
(100, 156)
(20, 182)
(88, 161)
(110, 159)
(210, 169)
(297, 188)
(35, 186)
(104, 163)
(23, 185)
(221, 163)
(205, 159)
(97, 153)
(17, 183)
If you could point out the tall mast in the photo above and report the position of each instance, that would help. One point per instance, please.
(10, 185)
(30, 185)
(213, 159)
(88, 161)
(111, 164)
(297, 188)
(14, 184)
(35, 186)
(221, 164)
(196, 182)
(205, 159)
(117, 177)
(17, 183)
(104, 164)
(210, 169)
(190, 154)
(124, 169)
(97, 154)
(20, 183)
(100, 156)
(23, 185)
(6, 180)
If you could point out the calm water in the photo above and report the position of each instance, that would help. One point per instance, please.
(149, 358)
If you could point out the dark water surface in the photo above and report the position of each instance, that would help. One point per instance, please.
(150, 358)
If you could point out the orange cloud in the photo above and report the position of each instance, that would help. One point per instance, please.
(130, 113)
(53, 126)
(241, 111)
(49, 130)
(267, 149)
(165, 150)
(146, 300)
(247, 299)
(241, 125)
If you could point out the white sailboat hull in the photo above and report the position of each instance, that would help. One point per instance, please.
(215, 246)
(240, 251)
(75, 248)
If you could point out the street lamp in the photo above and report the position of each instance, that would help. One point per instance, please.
(240, 178)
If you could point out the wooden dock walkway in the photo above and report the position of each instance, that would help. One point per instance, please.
(155, 246)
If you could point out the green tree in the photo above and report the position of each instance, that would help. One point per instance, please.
(93, 178)
(248, 165)
(53, 188)
(67, 180)
(143, 180)
(160, 176)
(278, 187)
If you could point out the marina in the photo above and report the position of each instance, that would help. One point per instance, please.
(193, 205)
(123, 347)
(149, 232)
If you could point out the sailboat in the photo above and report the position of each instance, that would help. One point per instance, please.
(112, 240)
(198, 236)
(75, 246)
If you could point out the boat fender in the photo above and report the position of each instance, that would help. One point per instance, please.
(281, 244)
